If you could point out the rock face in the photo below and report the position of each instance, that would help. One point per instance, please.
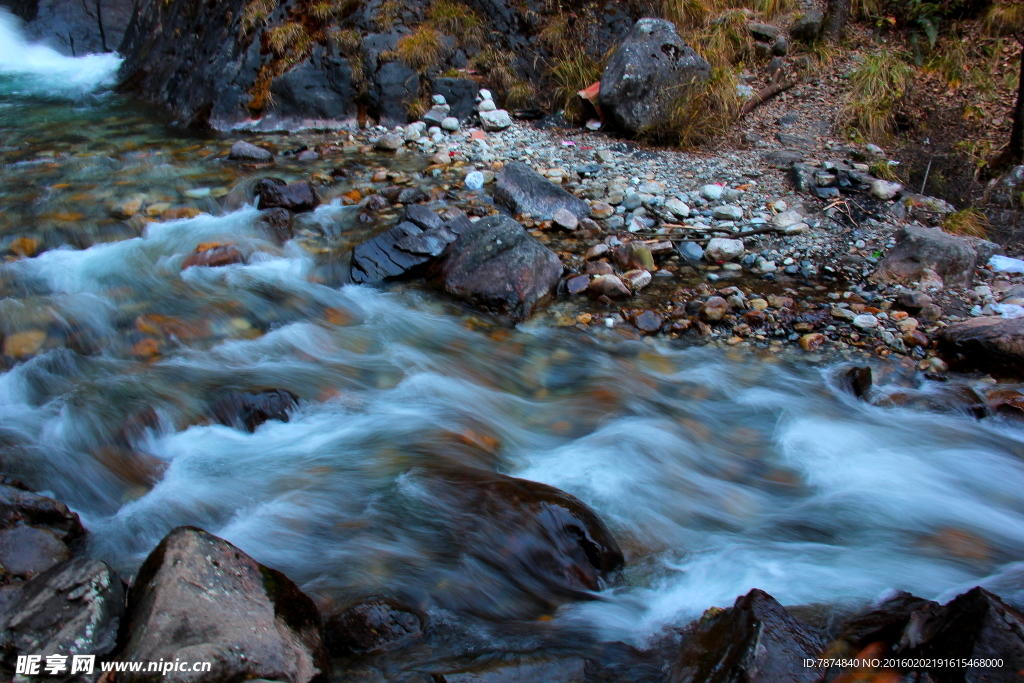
(952, 258)
(495, 265)
(259, 625)
(292, 64)
(754, 641)
(72, 608)
(520, 189)
(646, 73)
(989, 344)
(74, 28)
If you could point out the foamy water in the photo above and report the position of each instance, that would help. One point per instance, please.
(35, 69)
(717, 474)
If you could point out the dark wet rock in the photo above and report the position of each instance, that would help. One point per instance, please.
(248, 152)
(648, 70)
(296, 197)
(975, 625)
(412, 195)
(522, 190)
(610, 286)
(259, 626)
(25, 507)
(989, 344)
(277, 224)
(577, 284)
(371, 625)
(395, 86)
(214, 257)
(380, 258)
(884, 624)
(74, 28)
(459, 93)
(802, 177)
(567, 670)
(25, 551)
(754, 641)
(248, 410)
(648, 322)
(600, 268)
(72, 608)
(917, 248)
(422, 217)
(794, 141)
(858, 380)
(634, 255)
(807, 28)
(429, 243)
(495, 265)
(548, 544)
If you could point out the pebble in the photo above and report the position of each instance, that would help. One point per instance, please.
(599, 210)
(450, 124)
(865, 321)
(474, 180)
(712, 192)
(728, 212)
(723, 249)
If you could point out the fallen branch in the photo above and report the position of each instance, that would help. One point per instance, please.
(768, 93)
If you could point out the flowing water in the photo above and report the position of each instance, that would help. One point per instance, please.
(716, 471)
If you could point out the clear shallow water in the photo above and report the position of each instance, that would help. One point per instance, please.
(717, 472)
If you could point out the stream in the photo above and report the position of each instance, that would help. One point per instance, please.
(716, 471)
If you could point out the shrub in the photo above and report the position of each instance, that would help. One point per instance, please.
(255, 13)
(967, 223)
(420, 49)
(700, 111)
(877, 90)
(458, 20)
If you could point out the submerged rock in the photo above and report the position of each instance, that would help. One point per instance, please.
(248, 152)
(495, 265)
(646, 74)
(199, 598)
(72, 608)
(754, 641)
(248, 410)
(522, 190)
(371, 625)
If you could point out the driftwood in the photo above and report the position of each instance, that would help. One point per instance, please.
(759, 98)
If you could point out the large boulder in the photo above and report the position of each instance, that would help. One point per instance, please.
(73, 608)
(74, 28)
(989, 344)
(35, 532)
(754, 641)
(495, 265)
(522, 190)
(919, 249)
(526, 546)
(975, 626)
(402, 251)
(648, 71)
(199, 598)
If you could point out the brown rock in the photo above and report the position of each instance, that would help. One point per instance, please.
(637, 279)
(931, 313)
(600, 268)
(989, 344)
(18, 506)
(298, 197)
(913, 338)
(599, 210)
(214, 256)
(812, 342)
(24, 344)
(919, 249)
(597, 251)
(260, 625)
(609, 286)
(756, 319)
(714, 309)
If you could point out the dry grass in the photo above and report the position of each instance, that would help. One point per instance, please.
(498, 69)
(877, 90)
(951, 62)
(459, 21)
(420, 49)
(571, 73)
(727, 41)
(286, 38)
(255, 13)
(967, 223)
(702, 111)
(886, 171)
(690, 15)
(1004, 18)
(387, 14)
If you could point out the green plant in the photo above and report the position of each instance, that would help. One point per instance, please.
(886, 171)
(951, 62)
(877, 90)
(458, 20)
(967, 223)
(420, 49)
